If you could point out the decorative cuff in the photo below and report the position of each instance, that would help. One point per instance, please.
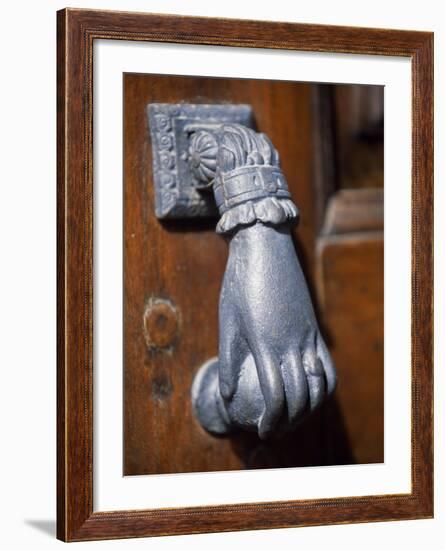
(269, 210)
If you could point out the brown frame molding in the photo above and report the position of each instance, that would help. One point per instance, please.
(76, 32)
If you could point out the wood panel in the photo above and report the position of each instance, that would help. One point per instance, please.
(359, 135)
(352, 282)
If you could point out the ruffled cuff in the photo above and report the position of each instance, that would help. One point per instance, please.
(269, 210)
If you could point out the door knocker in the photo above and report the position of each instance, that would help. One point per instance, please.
(273, 367)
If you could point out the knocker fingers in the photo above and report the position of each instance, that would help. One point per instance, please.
(314, 373)
(230, 352)
(272, 388)
(328, 365)
(295, 385)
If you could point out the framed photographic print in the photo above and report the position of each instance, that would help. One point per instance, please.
(244, 275)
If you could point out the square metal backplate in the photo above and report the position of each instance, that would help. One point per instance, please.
(177, 193)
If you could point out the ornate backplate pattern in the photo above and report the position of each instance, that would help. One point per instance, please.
(179, 193)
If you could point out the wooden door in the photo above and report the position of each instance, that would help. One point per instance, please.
(172, 276)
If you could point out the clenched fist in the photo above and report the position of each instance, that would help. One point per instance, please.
(273, 366)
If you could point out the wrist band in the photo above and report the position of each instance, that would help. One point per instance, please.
(268, 210)
(249, 183)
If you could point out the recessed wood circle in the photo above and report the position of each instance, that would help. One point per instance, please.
(161, 323)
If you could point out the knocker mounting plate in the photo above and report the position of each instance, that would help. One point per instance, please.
(178, 191)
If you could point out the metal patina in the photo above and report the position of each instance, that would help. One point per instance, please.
(273, 367)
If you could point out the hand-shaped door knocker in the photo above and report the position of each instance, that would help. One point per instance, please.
(273, 366)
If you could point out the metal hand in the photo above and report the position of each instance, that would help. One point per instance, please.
(273, 366)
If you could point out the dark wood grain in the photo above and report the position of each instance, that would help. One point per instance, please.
(75, 283)
(62, 364)
(350, 277)
(354, 210)
(359, 137)
(77, 30)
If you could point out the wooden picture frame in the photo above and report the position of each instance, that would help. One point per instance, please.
(77, 31)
